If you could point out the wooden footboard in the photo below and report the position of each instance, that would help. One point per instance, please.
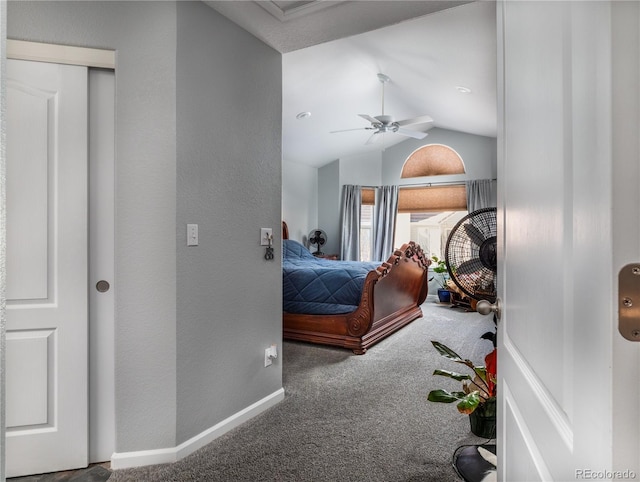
(391, 298)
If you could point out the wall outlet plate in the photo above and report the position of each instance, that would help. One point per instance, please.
(270, 354)
(265, 235)
(267, 357)
(192, 235)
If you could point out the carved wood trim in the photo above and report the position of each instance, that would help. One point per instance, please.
(359, 322)
(400, 296)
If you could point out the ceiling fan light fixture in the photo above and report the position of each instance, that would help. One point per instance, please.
(384, 123)
(384, 119)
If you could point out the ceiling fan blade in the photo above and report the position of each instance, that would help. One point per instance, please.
(348, 130)
(367, 117)
(374, 138)
(474, 234)
(416, 120)
(410, 133)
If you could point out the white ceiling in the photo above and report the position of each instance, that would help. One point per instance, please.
(330, 67)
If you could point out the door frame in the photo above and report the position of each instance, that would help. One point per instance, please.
(91, 58)
(625, 232)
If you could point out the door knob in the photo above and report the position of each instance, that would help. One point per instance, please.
(102, 286)
(485, 307)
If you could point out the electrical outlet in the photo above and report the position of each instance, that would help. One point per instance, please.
(270, 354)
(267, 357)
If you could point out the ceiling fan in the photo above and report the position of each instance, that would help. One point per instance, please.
(382, 124)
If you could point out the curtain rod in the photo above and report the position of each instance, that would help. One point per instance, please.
(426, 184)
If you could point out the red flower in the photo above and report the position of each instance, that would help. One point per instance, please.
(491, 366)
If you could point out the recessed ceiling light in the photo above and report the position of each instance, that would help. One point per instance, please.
(463, 90)
(303, 115)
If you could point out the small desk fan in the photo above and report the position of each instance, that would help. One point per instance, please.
(318, 238)
(471, 254)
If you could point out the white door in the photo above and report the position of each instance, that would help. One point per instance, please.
(46, 341)
(561, 383)
(101, 264)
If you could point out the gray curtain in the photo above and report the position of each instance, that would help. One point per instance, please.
(384, 222)
(351, 202)
(481, 193)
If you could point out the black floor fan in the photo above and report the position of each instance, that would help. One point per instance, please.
(471, 254)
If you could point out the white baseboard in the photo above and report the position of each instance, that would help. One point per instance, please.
(140, 458)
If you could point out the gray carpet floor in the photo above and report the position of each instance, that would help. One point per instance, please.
(347, 417)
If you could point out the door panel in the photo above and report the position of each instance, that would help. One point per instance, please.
(46, 365)
(28, 386)
(29, 263)
(555, 218)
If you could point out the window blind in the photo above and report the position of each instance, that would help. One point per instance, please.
(432, 199)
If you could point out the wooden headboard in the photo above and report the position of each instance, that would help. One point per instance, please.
(285, 230)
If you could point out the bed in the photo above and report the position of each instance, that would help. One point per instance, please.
(373, 300)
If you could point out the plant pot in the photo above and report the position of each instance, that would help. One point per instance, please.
(483, 420)
(444, 295)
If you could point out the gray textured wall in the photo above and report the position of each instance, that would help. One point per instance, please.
(144, 34)
(229, 182)
(190, 324)
(299, 199)
(329, 196)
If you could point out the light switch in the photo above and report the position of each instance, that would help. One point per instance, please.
(192, 235)
(265, 235)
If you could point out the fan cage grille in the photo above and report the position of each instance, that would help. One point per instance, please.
(318, 238)
(470, 254)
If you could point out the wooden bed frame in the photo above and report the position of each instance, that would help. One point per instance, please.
(391, 298)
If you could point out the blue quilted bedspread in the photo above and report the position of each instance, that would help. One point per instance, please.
(320, 286)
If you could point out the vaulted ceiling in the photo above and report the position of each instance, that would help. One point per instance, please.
(439, 55)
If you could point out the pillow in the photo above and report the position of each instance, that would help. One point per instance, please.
(293, 249)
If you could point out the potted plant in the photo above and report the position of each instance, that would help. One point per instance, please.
(440, 268)
(478, 396)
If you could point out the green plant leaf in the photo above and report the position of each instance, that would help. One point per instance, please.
(444, 396)
(450, 374)
(469, 403)
(447, 352)
(481, 372)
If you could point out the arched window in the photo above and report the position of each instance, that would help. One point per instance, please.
(426, 214)
(432, 160)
